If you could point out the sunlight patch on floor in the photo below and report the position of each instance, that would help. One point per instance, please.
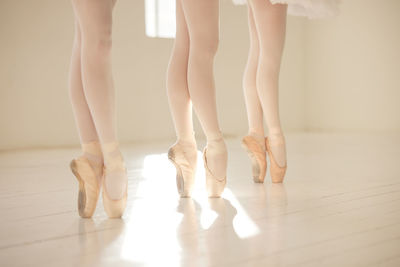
(242, 223)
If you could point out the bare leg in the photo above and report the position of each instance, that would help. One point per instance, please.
(95, 20)
(177, 88)
(270, 22)
(253, 105)
(202, 18)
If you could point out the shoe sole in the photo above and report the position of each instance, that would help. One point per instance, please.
(82, 192)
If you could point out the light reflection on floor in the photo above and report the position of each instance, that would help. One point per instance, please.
(242, 223)
(154, 221)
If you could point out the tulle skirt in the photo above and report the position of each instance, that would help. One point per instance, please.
(312, 9)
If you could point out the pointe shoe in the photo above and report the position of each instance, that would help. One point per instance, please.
(114, 207)
(185, 173)
(88, 186)
(277, 172)
(215, 186)
(257, 156)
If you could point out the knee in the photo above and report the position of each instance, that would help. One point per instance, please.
(98, 40)
(249, 84)
(175, 83)
(269, 66)
(206, 44)
(180, 50)
(77, 36)
(178, 92)
(77, 44)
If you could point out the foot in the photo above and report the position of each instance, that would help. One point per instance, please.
(215, 159)
(183, 155)
(277, 154)
(92, 152)
(115, 182)
(115, 177)
(89, 187)
(278, 148)
(257, 154)
(88, 170)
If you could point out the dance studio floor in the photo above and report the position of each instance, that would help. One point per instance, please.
(339, 206)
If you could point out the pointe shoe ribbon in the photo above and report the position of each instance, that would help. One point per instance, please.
(215, 186)
(277, 172)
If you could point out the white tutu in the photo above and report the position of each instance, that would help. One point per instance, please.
(312, 9)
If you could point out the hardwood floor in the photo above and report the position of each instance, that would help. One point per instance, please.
(339, 206)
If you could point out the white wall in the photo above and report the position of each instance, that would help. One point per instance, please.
(353, 69)
(340, 74)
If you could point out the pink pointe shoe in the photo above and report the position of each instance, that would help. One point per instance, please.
(215, 186)
(114, 207)
(277, 172)
(185, 172)
(258, 158)
(89, 187)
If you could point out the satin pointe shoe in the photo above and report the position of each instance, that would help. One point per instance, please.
(114, 207)
(214, 185)
(89, 187)
(277, 172)
(185, 172)
(258, 158)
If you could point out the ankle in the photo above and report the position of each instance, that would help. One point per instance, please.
(259, 137)
(216, 157)
(92, 151)
(214, 137)
(190, 144)
(276, 138)
(186, 140)
(216, 142)
(217, 146)
(113, 158)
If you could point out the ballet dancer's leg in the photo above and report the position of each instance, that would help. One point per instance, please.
(253, 105)
(177, 88)
(202, 18)
(270, 23)
(87, 132)
(95, 20)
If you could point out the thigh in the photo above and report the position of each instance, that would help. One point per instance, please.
(252, 29)
(182, 33)
(270, 22)
(202, 17)
(94, 16)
